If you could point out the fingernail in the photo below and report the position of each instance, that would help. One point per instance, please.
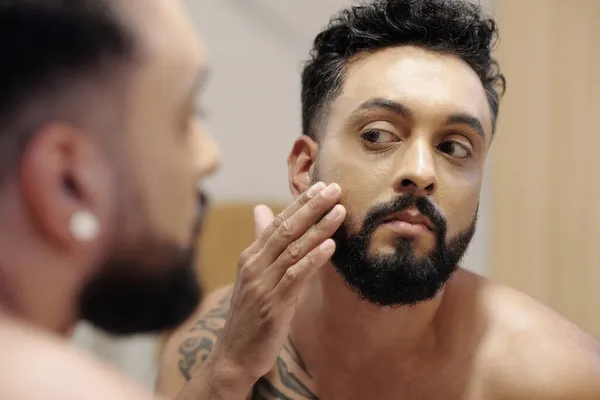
(332, 190)
(327, 245)
(316, 188)
(335, 212)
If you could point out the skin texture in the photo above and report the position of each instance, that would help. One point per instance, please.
(476, 339)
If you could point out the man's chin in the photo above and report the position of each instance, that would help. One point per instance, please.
(129, 297)
(124, 318)
(385, 292)
(390, 251)
(394, 278)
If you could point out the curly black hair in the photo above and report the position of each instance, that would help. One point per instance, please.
(446, 26)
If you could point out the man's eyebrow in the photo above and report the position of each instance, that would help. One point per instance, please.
(403, 111)
(466, 119)
(389, 105)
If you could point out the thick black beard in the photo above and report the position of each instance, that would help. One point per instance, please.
(402, 278)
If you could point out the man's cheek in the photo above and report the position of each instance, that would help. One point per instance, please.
(353, 219)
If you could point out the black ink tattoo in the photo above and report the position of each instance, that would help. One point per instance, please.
(206, 331)
(189, 351)
(265, 390)
(291, 381)
(293, 352)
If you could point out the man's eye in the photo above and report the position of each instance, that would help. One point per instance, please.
(454, 149)
(379, 137)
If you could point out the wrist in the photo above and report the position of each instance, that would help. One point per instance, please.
(228, 377)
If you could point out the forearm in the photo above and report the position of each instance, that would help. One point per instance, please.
(216, 380)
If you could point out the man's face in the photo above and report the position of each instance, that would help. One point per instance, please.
(406, 140)
(146, 280)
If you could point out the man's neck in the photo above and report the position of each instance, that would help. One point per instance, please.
(37, 282)
(11, 311)
(349, 331)
(33, 304)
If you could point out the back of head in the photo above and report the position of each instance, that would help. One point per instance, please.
(50, 49)
(447, 26)
(87, 149)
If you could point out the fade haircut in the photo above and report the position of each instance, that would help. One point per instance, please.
(49, 49)
(446, 26)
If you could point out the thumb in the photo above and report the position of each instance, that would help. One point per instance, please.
(263, 217)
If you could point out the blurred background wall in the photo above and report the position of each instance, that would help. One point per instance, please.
(537, 224)
(545, 227)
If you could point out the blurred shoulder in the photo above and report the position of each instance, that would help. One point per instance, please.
(37, 365)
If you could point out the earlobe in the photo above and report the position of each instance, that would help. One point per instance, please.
(301, 163)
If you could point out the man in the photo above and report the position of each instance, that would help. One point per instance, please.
(101, 151)
(400, 101)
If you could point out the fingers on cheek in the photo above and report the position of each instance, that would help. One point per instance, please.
(296, 276)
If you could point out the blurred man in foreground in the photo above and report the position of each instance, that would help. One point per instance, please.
(400, 100)
(101, 152)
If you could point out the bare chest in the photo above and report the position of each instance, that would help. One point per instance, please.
(290, 380)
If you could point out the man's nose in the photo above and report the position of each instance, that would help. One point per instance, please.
(416, 172)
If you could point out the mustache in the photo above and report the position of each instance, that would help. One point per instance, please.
(378, 213)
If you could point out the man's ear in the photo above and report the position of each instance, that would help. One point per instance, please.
(65, 185)
(301, 163)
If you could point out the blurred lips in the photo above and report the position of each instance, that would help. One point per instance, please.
(201, 210)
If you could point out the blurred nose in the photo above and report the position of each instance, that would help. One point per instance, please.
(416, 172)
(207, 154)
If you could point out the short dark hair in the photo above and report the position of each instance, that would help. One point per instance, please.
(47, 47)
(447, 26)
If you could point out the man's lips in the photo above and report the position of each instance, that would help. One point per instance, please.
(410, 220)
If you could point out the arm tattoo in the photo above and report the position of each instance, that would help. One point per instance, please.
(284, 385)
(205, 333)
(189, 351)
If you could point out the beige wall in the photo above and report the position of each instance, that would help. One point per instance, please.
(546, 208)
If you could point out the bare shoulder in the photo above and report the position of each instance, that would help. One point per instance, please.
(34, 365)
(189, 346)
(535, 353)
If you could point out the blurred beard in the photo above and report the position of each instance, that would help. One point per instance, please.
(149, 287)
